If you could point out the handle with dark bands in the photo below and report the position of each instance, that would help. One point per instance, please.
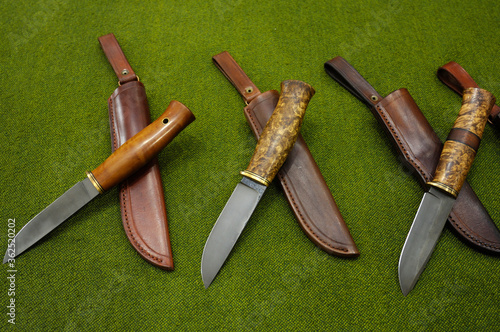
(461, 145)
(141, 148)
(280, 133)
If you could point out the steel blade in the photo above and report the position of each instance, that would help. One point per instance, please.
(51, 217)
(228, 227)
(423, 236)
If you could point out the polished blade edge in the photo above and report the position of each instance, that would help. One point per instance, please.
(228, 227)
(52, 216)
(423, 236)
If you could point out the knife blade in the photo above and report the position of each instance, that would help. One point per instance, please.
(126, 160)
(456, 158)
(276, 141)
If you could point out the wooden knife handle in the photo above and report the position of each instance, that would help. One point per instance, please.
(280, 133)
(463, 141)
(142, 147)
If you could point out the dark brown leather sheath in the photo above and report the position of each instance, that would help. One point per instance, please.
(300, 177)
(455, 77)
(420, 149)
(141, 196)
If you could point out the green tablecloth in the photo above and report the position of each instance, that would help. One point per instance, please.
(85, 275)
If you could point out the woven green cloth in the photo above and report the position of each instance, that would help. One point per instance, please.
(85, 275)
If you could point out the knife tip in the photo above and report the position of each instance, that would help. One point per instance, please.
(6, 257)
(404, 290)
(206, 280)
(406, 283)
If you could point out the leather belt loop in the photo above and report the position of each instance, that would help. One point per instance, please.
(458, 79)
(233, 72)
(345, 74)
(455, 77)
(117, 59)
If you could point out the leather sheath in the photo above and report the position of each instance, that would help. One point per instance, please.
(455, 77)
(141, 196)
(420, 149)
(301, 180)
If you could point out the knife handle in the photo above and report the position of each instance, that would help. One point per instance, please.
(280, 133)
(463, 141)
(141, 148)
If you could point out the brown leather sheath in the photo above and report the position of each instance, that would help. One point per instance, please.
(141, 196)
(455, 77)
(300, 177)
(420, 149)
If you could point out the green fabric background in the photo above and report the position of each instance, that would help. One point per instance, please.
(85, 275)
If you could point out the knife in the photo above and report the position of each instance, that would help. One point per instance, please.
(455, 161)
(275, 142)
(128, 158)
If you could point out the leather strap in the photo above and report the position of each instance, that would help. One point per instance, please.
(420, 149)
(455, 77)
(233, 72)
(141, 195)
(352, 81)
(117, 59)
(302, 182)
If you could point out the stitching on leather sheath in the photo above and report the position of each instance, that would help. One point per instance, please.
(451, 219)
(471, 236)
(124, 199)
(399, 142)
(112, 114)
(124, 187)
(287, 189)
(285, 185)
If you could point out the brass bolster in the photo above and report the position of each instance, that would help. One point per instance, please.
(444, 187)
(95, 182)
(138, 80)
(255, 177)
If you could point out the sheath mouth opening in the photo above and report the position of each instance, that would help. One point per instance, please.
(165, 121)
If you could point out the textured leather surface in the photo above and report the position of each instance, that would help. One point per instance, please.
(455, 77)
(141, 196)
(420, 147)
(117, 59)
(233, 72)
(302, 182)
(305, 188)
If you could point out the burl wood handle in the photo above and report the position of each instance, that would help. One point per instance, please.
(142, 147)
(463, 141)
(280, 133)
